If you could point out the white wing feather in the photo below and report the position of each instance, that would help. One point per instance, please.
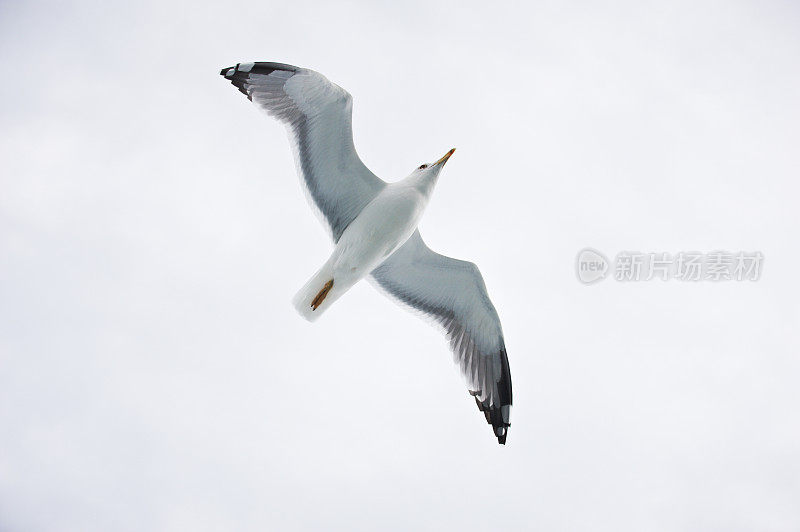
(318, 116)
(452, 293)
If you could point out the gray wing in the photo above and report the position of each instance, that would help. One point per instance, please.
(318, 116)
(453, 294)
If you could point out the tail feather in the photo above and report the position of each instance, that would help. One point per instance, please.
(318, 293)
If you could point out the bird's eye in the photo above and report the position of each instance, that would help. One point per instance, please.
(423, 167)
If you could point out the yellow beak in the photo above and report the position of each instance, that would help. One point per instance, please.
(444, 159)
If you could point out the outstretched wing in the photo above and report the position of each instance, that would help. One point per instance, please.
(453, 294)
(318, 115)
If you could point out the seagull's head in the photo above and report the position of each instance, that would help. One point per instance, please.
(433, 169)
(425, 176)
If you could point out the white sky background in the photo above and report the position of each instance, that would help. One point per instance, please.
(154, 377)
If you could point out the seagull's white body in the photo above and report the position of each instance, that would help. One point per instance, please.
(375, 234)
(373, 225)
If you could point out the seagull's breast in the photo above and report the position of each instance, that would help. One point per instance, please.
(383, 226)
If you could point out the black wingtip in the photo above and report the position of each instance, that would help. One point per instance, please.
(496, 416)
(501, 433)
(497, 410)
(239, 74)
(264, 68)
(228, 72)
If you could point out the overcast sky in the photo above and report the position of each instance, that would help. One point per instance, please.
(154, 376)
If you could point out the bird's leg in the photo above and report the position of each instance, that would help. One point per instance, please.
(321, 295)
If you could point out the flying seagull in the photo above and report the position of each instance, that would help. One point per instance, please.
(373, 225)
